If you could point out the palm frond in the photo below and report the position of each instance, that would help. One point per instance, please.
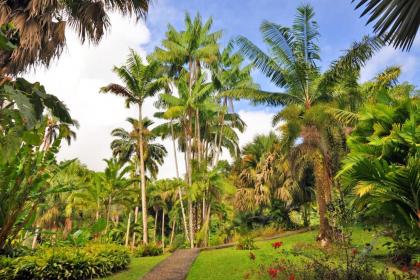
(397, 20)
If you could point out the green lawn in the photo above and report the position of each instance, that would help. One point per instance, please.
(218, 264)
(138, 268)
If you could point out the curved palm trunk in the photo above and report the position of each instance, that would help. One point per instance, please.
(142, 177)
(184, 220)
(172, 233)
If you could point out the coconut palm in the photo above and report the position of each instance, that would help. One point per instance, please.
(293, 66)
(140, 82)
(39, 27)
(398, 20)
(126, 145)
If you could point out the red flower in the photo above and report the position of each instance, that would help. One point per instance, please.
(277, 244)
(354, 251)
(404, 268)
(417, 265)
(273, 272)
(252, 256)
(292, 277)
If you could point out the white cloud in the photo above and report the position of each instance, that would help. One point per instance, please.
(388, 56)
(257, 122)
(79, 73)
(76, 78)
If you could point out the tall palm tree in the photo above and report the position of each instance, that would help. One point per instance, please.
(126, 145)
(228, 74)
(187, 51)
(398, 20)
(140, 82)
(293, 66)
(184, 107)
(39, 27)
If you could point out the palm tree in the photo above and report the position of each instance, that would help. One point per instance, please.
(192, 48)
(141, 81)
(228, 74)
(126, 145)
(39, 27)
(252, 190)
(184, 107)
(54, 128)
(292, 66)
(398, 20)
(116, 185)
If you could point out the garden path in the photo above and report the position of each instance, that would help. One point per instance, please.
(177, 266)
(174, 267)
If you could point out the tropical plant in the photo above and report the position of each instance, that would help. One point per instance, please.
(292, 65)
(24, 166)
(37, 28)
(141, 81)
(190, 48)
(126, 145)
(398, 20)
(382, 166)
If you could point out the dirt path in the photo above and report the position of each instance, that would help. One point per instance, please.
(174, 267)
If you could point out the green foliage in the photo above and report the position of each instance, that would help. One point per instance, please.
(382, 168)
(95, 260)
(246, 243)
(148, 250)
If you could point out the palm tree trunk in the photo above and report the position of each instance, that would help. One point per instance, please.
(172, 233)
(34, 240)
(143, 177)
(203, 206)
(68, 226)
(198, 133)
(127, 235)
(163, 229)
(108, 214)
(136, 215)
(155, 229)
(189, 181)
(207, 222)
(321, 197)
(184, 220)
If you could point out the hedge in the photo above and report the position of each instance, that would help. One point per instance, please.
(95, 260)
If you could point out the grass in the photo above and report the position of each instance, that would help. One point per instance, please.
(235, 263)
(137, 268)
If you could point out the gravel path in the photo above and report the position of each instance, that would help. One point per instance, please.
(174, 267)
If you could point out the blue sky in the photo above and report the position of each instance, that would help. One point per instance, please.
(82, 69)
(339, 24)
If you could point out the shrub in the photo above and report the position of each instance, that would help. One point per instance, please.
(246, 243)
(323, 265)
(148, 250)
(95, 260)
